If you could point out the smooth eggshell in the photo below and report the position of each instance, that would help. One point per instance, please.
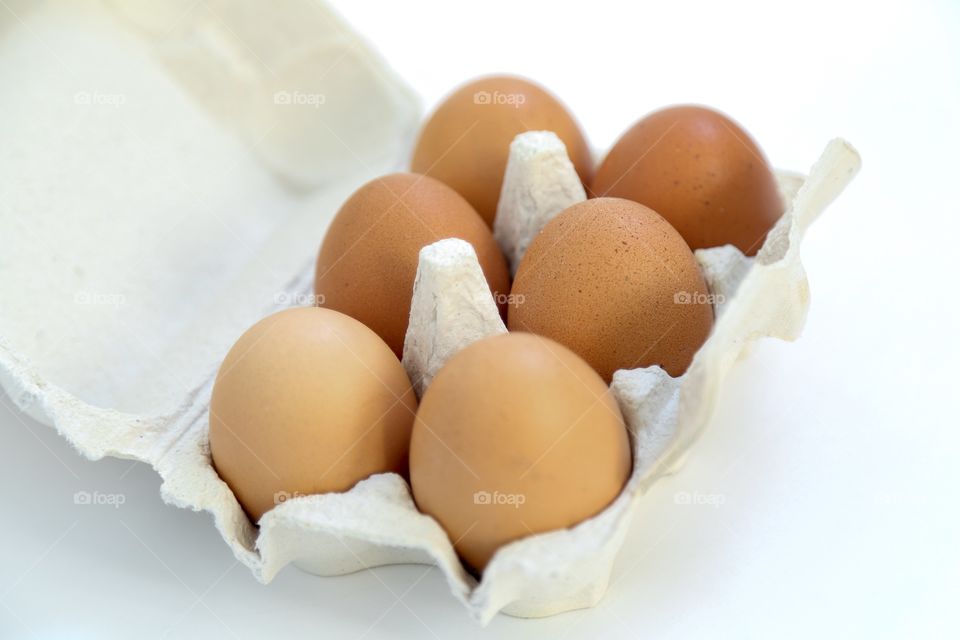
(465, 143)
(614, 282)
(516, 435)
(368, 261)
(308, 400)
(701, 171)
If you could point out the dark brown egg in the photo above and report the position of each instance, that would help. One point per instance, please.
(701, 171)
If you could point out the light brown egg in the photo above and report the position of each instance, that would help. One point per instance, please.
(307, 401)
(701, 171)
(614, 282)
(516, 435)
(369, 257)
(466, 141)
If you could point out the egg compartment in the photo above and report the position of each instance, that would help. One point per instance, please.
(159, 309)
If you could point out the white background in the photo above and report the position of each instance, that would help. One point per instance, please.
(831, 463)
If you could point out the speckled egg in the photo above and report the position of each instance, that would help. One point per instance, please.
(701, 171)
(613, 281)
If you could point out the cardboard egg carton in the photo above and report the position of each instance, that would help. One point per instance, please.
(155, 332)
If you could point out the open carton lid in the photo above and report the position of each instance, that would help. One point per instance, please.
(170, 185)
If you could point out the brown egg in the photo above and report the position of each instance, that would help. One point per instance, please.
(369, 257)
(516, 435)
(701, 171)
(614, 282)
(466, 141)
(307, 401)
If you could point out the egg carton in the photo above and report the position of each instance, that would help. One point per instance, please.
(154, 409)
